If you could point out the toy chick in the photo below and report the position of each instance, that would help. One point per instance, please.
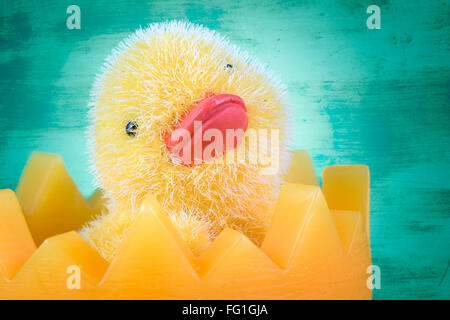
(179, 77)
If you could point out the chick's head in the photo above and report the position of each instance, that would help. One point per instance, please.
(147, 87)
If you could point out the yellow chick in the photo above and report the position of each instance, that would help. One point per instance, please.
(168, 77)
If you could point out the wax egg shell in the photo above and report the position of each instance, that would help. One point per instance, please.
(317, 246)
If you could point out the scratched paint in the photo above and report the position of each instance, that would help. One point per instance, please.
(378, 97)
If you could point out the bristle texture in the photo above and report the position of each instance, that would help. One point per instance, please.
(153, 78)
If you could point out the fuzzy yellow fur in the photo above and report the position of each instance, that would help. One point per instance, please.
(153, 78)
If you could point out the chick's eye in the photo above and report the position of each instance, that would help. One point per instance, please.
(131, 128)
(228, 66)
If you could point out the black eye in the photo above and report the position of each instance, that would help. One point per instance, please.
(229, 66)
(131, 128)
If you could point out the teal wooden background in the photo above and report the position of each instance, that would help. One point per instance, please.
(378, 97)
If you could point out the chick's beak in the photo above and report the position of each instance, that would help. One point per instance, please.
(213, 126)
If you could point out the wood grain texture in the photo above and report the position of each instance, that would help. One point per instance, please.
(359, 96)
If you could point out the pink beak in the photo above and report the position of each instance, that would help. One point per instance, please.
(220, 119)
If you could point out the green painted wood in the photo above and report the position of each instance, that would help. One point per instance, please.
(377, 97)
